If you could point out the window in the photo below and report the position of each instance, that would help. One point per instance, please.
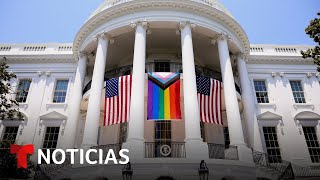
(176, 67)
(162, 66)
(23, 90)
(312, 143)
(60, 91)
(51, 138)
(272, 145)
(162, 136)
(123, 132)
(203, 133)
(10, 134)
(226, 136)
(261, 91)
(163, 131)
(297, 91)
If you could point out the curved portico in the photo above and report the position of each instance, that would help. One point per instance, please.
(203, 38)
(199, 96)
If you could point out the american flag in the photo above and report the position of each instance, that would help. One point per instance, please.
(117, 101)
(209, 98)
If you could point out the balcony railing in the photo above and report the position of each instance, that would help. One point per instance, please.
(165, 150)
(115, 147)
(43, 170)
(175, 67)
(221, 151)
(303, 172)
(282, 167)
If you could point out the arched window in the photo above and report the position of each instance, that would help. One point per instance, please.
(123, 132)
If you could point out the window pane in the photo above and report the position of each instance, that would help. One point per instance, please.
(51, 138)
(312, 143)
(162, 136)
(10, 134)
(272, 145)
(162, 66)
(261, 91)
(60, 91)
(298, 93)
(23, 90)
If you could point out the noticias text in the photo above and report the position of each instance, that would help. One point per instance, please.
(80, 156)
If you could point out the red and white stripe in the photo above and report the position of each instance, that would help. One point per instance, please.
(210, 106)
(117, 108)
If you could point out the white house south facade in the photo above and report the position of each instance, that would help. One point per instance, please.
(270, 103)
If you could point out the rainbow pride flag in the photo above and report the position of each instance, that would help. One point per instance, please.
(164, 96)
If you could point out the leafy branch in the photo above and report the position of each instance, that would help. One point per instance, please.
(6, 104)
(313, 30)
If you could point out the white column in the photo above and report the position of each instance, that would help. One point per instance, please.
(249, 111)
(90, 135)
(231, 101)
(72, 122)
(195, 147)
(135, 140)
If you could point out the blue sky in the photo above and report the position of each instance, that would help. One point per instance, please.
(42, 21)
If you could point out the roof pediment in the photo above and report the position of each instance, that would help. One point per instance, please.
(269, 116)
(307, 115)
(53, 116)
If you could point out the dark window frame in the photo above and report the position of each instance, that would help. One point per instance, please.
(312, 141)
(162, 136)
(261, 91)
(51, 142)
(162, 66)
(9, 132)
(60, 95)
(298, 91)
(23, 89)
(272, 144)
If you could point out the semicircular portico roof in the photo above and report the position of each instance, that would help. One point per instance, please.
(109, 3)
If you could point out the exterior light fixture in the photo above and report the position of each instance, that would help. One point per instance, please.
(127, 172)
(203, 171)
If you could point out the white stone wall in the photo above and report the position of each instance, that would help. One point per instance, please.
(290, 135)
(39, 107)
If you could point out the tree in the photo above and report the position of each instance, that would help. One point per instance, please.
(313, 30)
(6, 104)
